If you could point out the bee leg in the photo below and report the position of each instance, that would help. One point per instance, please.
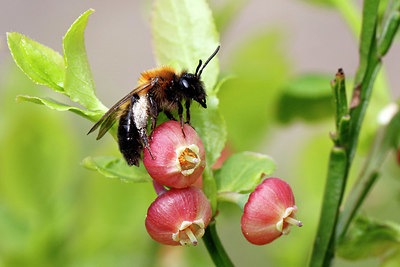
(145, 140)
(187, 105)
(180, 113)
(169, 115)
(153, 125)
(153, 110)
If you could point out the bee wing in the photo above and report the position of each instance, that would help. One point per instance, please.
(111, 116)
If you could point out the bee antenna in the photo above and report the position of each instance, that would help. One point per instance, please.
(198, 67)
(208, 60)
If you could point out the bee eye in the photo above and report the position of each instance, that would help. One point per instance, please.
(185, 83)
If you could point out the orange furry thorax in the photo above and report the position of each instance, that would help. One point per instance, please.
(165, 74)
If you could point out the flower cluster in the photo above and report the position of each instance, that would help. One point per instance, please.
(180, 215)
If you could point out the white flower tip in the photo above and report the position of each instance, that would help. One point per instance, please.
(387, 113)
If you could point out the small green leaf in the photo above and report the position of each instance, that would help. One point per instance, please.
(78, 77)
(308, 96)
(113, 167)
(369, 238)
(41, 64)
(242, 172)
(309, 85)
(53, 104)
(184, 32)
(211, 127)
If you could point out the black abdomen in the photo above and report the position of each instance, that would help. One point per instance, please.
(129, 140)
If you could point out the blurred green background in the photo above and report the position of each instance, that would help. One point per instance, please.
(283, 54)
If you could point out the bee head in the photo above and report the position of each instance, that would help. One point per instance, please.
(192, 85)
(192, 88)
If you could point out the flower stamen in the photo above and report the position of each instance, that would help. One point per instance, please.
(191, 236)
(188, 159)
(288, 218)
(189, 232)
(293, 221)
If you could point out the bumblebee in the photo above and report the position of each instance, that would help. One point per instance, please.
(159, 90)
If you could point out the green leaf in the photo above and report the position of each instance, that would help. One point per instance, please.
(183, 33)
(53, 104)
(242, 172)
(369, 238)
(41, 64)
(113, 167)
(368, 38)
(211, 127)
(309, 86)
(308, 96)
(310, 110)
(78, 77)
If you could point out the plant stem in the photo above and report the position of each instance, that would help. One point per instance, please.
(371, 51)
(210, 238)
(210, 188)
(339, 167)
(350, 13)
(233, 197)
(330, 207)
(357, 196)
(229, 196)
(384, 141)
(214, 246)
(381, 146)
(357, 114)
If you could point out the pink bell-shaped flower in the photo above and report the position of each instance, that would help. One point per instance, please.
(269, 212)
(179, 160)
(179, 216)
